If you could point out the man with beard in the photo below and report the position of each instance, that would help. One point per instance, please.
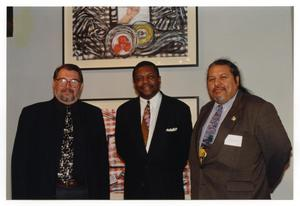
(60, 149)
(239, 147)
(153, 133)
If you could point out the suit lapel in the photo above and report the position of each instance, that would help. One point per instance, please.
(136, 122)
(53, 136)
(160, 123)
(80, 118)
(199, 125)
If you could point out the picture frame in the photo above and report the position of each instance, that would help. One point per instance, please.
(100, 38)
(9, 21)
(117, 167)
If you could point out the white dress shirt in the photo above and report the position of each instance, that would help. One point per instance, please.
(154, 108)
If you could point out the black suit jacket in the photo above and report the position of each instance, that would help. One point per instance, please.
(158, 173)
(249, 171)
(37, 149)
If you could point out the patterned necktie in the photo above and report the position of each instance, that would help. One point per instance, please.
(65, 168)
(146, 122)
(211, 129)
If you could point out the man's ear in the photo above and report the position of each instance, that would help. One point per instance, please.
(53, 85)
(237, 80)
(80, 89)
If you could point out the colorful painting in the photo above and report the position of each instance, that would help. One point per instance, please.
(116, 37)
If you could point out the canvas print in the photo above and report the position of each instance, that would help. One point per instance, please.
(119, 36)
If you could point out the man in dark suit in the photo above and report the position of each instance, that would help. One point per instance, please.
(60, 150)
(242, 152)
(154, 155)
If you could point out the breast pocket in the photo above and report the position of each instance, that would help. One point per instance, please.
(171, 131)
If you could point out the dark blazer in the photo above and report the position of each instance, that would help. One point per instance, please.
(37, 148)
(158, 173)
(251, 171)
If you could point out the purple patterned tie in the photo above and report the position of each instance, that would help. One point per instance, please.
(211, 129)
(146, 122)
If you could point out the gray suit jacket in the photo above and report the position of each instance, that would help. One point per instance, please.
(251, 171)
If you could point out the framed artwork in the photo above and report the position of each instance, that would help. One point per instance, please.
(120, 37)
(117, 168)
(9, 21)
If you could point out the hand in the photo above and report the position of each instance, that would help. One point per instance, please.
(130, 14)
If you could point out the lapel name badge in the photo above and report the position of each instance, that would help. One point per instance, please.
(233, 118)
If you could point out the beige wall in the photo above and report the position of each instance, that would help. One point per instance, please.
(258, 39)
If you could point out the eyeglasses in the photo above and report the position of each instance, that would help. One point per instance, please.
(74, 83)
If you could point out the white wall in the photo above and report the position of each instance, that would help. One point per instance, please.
(258, 39)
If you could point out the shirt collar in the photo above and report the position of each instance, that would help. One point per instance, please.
(62, 107)
(153, 101)
(229, 103)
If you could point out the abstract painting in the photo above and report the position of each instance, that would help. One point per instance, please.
(120, 37)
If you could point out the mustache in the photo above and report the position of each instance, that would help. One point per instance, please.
(218, 88)
(68, 90)
(147, 85)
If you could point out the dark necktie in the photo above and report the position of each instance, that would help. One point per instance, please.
(65, 167)
(211, 129)
(146, 122)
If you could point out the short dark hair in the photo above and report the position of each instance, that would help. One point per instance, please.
(233, 68)
(69, 67)
(145, 63)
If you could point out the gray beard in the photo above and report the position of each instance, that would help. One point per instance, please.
(67, 99)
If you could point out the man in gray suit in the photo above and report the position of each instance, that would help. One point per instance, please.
(239, 147)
